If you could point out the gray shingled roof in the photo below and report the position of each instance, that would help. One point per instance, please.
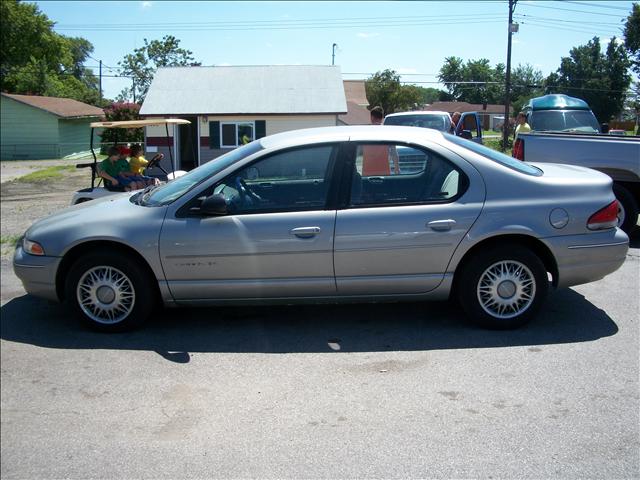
(275, 89)
(61, 107)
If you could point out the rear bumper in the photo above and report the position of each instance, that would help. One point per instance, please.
(37, 274)
(590, 257)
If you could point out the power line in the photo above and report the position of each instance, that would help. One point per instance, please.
(596, 5)
(570, 10)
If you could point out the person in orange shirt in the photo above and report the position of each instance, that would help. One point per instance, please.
(377, 160)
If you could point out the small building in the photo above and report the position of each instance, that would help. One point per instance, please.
(357, 103)
(34, 127)
(231, 105)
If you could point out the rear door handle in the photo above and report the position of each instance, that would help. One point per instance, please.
(305, 232)
(441, 225)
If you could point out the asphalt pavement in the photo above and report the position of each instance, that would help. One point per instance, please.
(388, 390)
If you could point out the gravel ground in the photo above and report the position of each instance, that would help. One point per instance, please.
(22, 203)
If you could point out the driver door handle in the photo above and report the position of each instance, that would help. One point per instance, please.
(305, 232)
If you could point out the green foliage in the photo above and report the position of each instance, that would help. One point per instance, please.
(496, 144)
(384, 89)
(36, 60)
(632, 37)
(526, 82)
(119, 111)
(142, 64)
(601, 79)
(455, 70)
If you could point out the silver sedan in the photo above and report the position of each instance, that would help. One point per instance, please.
(339, 214)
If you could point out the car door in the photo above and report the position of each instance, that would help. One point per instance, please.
(397, 233)
(275, 241)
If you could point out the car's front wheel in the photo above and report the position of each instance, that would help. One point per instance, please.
(110, 292)
(503, 287)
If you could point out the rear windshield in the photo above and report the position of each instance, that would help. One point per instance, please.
(436, 122)
(576, 121)
(501, 158)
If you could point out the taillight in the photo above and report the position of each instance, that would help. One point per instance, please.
(518, 149)
(604, 218)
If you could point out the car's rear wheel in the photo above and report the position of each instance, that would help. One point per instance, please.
(110, 292)
(503, 287)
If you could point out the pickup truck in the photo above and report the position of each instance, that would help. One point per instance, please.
(618, 157)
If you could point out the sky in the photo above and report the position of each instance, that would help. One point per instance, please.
(411, 37)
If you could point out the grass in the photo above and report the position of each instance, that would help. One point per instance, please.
(9, 240)
(496, 144)
(47, 174)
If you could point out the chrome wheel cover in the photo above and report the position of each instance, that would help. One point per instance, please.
(105, 295)
(506, 289)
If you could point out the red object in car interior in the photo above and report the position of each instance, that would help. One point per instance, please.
(518, 149)
(604, 218)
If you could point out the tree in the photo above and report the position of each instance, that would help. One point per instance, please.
(632, 37)
(142, 64)
(601, 79)
(119, 111)
(526, 83)
(474, 82)
(384, 89)
(36, 60)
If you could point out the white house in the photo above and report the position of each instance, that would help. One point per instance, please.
(228, 106)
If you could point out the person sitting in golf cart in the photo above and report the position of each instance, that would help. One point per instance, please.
(116, 173)
(138, 163)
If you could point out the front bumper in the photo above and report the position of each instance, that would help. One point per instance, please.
(37, 273)
(589, 257)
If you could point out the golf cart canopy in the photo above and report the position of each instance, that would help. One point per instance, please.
(140, 123)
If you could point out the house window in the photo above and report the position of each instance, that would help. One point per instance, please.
(235, 134)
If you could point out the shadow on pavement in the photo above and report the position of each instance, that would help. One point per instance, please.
(566, 317)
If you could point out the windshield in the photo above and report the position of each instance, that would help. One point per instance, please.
(174, 189)
(436, 122)
(578, 121)
(496, 156)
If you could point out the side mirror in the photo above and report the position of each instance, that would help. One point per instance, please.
(466, 134)
(215, 205)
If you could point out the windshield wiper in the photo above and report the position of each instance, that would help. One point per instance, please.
(144, 195)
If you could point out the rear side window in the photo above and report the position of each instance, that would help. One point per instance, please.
(436, 122)
(501, 158)
(391, 174)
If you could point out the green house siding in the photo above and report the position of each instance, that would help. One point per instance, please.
(74, 136)
(27, 132)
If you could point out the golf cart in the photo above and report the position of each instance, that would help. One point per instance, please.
(97, 191)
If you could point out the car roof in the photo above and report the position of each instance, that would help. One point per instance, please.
(140, 123)
(363, 133)
(418, 112)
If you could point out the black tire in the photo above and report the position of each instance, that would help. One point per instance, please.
(628, 214)
(483, 298)
(116, 279)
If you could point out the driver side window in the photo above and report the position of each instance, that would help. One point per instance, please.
(292, 180)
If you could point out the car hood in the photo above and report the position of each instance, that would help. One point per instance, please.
(114, 218)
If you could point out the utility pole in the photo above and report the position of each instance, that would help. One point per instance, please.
(133, 89)
(100, 80)
(507, 85)
(333, 54)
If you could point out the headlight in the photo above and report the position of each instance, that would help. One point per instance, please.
(32, 248)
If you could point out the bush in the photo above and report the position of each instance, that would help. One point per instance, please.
(119, 111)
